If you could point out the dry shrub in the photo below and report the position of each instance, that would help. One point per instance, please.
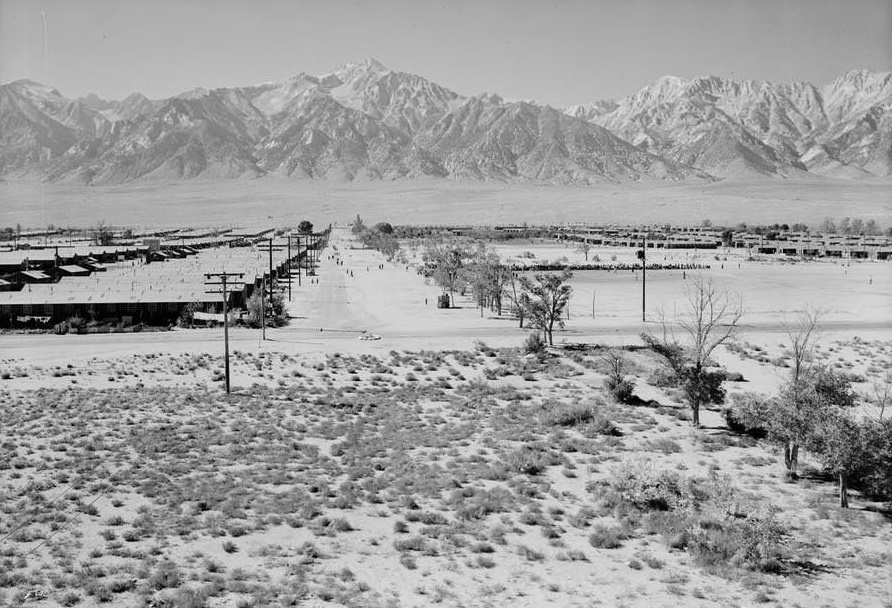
(607, 537)
(753, 542)
(640, 484)
(621, 389)
(413, 543)
(530, 459)
(533, 344)
(747, 413)
(568, 414)
(165, 576)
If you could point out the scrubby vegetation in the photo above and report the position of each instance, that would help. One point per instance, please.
(327, 468)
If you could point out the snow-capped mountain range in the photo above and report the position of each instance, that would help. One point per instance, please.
(364, 121)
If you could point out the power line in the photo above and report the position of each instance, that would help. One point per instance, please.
(30, 521)
(63, 527)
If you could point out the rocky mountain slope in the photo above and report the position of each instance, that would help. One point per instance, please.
(364, 121)
(728, 128)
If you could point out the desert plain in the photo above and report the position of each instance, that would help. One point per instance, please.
(438, 464)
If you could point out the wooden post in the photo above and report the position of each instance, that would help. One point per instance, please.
(843, 489)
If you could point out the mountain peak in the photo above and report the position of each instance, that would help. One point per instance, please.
(670, 80)
(373, 64)
(492, 98)
(34, 88)
(196, 93)
(352, 70)
(861, 79)
(724, 126)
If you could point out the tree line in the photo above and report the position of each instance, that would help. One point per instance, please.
(380, 236)
(847, 226)
(463, 265)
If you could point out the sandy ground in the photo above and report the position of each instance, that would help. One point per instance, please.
(349, 472)
(258, 203)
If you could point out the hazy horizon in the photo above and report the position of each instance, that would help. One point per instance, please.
(573, 52)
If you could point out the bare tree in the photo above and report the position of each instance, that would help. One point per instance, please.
(102, 234)
(616, 381)
(477, 275)
(710, 321)
(871, 227)
(489, 279)
(584, 247)
(549, 295)
(447, 257)
(519, 299)
(827, 226)
(498, 276)
(801, 335)
(882, 393)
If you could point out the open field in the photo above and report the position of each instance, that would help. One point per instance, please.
(206, 203)
(438, 465)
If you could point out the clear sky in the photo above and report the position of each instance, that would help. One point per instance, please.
(554, 51)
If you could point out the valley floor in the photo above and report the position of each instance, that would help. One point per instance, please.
(437, 465)
(279, 201)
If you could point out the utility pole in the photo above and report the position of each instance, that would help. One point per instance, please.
(270, 261)
(306, 253)
(223, 278)
(298, 260)
(643, 257)
(288, 266)
(269, 247)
